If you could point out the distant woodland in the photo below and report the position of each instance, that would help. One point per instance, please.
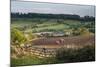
(52, 16)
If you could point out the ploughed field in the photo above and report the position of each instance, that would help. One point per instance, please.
(69, 42)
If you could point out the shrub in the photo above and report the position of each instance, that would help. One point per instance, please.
(71, 55)
(17, 37)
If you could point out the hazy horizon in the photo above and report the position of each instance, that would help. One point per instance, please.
(52, 8)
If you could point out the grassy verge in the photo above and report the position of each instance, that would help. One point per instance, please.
(31, 60)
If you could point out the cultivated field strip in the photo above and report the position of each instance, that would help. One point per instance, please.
(77, 40)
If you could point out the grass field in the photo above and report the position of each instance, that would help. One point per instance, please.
(80, 36)
(46, 25)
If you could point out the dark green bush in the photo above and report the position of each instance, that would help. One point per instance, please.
(80, 55)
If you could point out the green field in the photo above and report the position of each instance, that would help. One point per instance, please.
(46, 25)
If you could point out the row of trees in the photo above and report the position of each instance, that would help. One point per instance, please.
(52, 16)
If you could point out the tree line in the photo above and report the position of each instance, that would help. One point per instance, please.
(52, 16)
